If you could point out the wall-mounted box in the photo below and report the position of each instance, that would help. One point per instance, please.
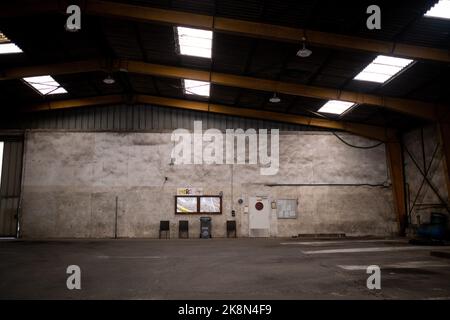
(287, 208)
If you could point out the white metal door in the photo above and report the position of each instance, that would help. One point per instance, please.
(259, 217)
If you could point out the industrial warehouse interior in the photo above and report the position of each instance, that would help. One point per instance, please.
(225, 150)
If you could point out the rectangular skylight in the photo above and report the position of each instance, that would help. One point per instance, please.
(9, 48)
(194, 42)
(6, 46)
(336, 107)
(194, 87)
(439, 10)
(382, 68)
(45, 85)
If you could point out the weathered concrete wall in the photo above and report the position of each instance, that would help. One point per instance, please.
(424, 146)
(72, 180)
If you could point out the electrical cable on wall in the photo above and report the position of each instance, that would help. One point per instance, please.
(358, 147)
(379, 185)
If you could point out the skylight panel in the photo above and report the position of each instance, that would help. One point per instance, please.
(9, 48)
(439, 10)
(194, 42)
(392, 61)
(6, 46)
(194, 87)
(45, 85)
(336, 106)
(383, 68)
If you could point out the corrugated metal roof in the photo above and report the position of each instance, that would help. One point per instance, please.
(136, 118)
(234, 54)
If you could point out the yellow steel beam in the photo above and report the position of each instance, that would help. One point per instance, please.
(233, 26)
(262, 30)
(53, 69)
(444, 130)
(420, 109)
(373, 132)
(74, 103)
(395, 160)
(412, 107)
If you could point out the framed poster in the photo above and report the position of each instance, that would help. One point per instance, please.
(186, 204)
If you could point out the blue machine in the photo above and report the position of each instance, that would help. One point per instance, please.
(436, 229)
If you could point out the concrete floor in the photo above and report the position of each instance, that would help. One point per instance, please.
(221, 269)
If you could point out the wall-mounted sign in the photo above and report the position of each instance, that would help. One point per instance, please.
(189, 191)
(287, 208)
(259, 206)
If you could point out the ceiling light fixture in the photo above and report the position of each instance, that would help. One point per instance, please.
(109, 80)
(303, 52)
(274, 98)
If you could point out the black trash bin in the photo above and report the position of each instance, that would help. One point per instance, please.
(205, 227)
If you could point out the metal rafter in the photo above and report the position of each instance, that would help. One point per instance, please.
(373, 132)
(416, 108)
(242, 27)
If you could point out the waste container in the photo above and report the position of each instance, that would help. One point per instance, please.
(205, 227)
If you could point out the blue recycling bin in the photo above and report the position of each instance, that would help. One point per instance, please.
(205, 227)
